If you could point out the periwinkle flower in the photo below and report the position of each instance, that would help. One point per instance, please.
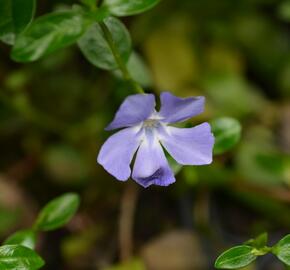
(146, 131)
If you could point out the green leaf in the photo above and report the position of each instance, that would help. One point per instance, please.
(259, 242)
(57, 212)
(15, 16)
(236, 257)
(282, 250)
(175, 167)
(127, 8)
(227, 132)
(284, 11)
(96, 49)
(25, 238)
(48, 34)
(138, 70)
(13, 257)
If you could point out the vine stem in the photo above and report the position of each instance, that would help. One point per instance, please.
(126, 221)
(122, 66)
(131, 191)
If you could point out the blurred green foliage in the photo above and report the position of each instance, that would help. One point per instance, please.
(53, 112)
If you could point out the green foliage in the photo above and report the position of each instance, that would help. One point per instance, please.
(236, 257)
(57, 212)
(127, 8)
(259, 242)
(25, 238)
(243, 255)
(96, 49)
(139, 70)
(227, 132)
(284, 10)
(17, 251)
(259, 160)
(48, 34)
(14, 257)
(282, 250)
(15, 16)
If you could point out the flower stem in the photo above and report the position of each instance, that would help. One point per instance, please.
(122, 66)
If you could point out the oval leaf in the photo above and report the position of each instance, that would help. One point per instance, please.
(127, 8)
(15, 16)
(282, 250)
(25, 238)
(19, 257)
(96, 49)
(236, 257)
(227, 132)
(57, 212)
(48, 34)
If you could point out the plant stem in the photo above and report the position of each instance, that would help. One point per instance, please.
(122, 66)
(126, 220)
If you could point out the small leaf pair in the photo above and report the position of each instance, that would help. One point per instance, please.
(17, 252)
(241, 256)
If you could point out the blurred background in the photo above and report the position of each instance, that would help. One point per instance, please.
(52, 116)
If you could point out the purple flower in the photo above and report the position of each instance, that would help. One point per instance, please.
(146, 131)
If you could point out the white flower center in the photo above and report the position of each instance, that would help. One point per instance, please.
(151, 123)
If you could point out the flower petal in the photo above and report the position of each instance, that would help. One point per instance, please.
(134, 109)
(151, 166)
(117, 152)
(175, 109)
(189, 146)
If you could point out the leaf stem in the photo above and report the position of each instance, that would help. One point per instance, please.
(122, 66)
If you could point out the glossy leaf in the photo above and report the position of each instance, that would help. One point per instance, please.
(15, 16)
(127, 8)
(97, 50)
(48, 34)
(227, 132)
(13, 257)
(282, 250)
(25, 238)
(57, 212)
(236, 257)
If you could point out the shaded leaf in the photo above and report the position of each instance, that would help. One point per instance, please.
(19, 257)
(284, 10)
(15, 16)
(96, 49)
(258, 158)
(48, 34)
(25, 238)
(57, 212)
(138, 70)
(127, 8)
(236, 257)
(227, 132)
